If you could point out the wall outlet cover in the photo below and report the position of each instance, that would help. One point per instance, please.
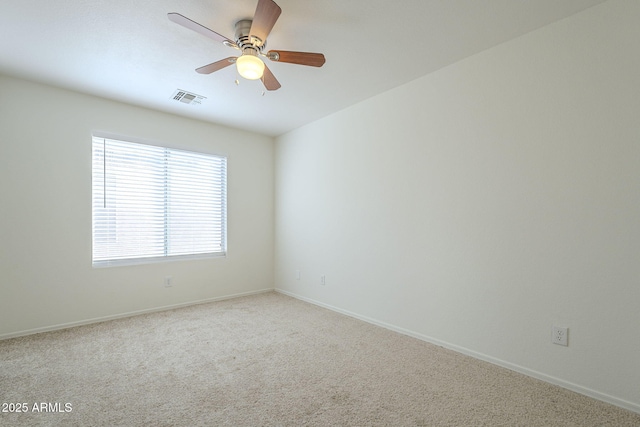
(560, 335)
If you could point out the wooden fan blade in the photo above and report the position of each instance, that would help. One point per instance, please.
(215, 66)
(269, 80)
(301, 58)
(267, 13)
(192, 25)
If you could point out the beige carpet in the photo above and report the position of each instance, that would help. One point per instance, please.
(270, 360)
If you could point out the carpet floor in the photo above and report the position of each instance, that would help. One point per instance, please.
(268, 360)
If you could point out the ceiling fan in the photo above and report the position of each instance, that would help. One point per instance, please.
(251, 40)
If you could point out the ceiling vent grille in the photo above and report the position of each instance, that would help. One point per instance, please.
(187, 97)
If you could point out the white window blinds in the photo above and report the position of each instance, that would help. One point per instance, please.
(151, 203)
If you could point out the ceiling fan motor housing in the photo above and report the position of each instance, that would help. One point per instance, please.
(244, 38)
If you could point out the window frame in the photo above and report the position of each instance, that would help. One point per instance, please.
(220, 202)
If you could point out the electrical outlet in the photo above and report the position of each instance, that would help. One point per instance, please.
(297, 274)
(560, 335)
(168, 281)
(322, 280)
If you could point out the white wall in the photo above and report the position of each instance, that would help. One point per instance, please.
(480, 205)
(46, 278)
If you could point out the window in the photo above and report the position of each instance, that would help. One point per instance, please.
(155, 203)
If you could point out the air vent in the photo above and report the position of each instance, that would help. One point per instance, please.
(187, 97)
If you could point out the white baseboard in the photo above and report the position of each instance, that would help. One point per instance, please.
(128, 314)
(517, 368)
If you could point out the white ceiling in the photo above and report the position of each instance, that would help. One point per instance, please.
(128, 50)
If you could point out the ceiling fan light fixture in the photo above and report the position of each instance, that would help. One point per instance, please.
(249, 65)
(251, 38)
